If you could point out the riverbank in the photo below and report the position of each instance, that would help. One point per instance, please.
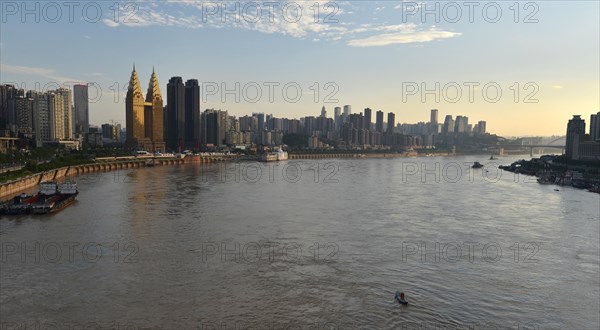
(555, 170)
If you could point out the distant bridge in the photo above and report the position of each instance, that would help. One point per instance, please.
(554, 144)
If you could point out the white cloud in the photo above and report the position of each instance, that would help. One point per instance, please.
(39, 72)
(195, 14)
(402, 37)
(110, 23)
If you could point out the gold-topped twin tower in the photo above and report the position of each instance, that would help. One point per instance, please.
(144, 117)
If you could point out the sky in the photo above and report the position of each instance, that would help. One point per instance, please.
(525, 68)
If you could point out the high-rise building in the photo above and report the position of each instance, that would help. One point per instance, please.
(214, 127)
(68, 112)
(433, 122)
(25, 114)
(461, 124)
(323, 112)
(41, 118)
(379, 121)
(337, 117)
(82, 109)
(57, 116)
(134, 114)
(223, 126)
(367, 120)
(7, 92)
(448, 125)
(175, 114)
(210, 127)
(391, 122)
(434, 116)
(595, 127)
(153, 115)
(111, 132)
(347, 112)
(481, 127)
(192, 114)
(389, 133)
(144, 117)
(575, 135)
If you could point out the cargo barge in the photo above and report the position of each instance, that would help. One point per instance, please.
(48, 200)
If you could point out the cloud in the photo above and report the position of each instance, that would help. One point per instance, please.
(39, 72)
(557, 87)
(402, 37)
(333, 22)
(110, 23)
(410, 5)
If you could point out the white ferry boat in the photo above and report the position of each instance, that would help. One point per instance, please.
(277, 155)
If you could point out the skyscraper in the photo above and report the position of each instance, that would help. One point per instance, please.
(41, 118)
(379, 121)
(448, 125)
(81, 110)
(192, 114)
(461, 124)
(575, 134)
(154, 117)
(323, 112)
(260, 126)
(337, 117)
(134, 113)
(144, 118)
(391, 122)
(347, 111)
(215, 124)
(481, 125)
(595, 127)
(367, 120)
(433, 122)
(24, 108)
(68, 112)
(175, 114)
(389, 133)
(56, 116)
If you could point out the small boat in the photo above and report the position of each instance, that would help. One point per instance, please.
(492, 157)
(399, 296)
(477, 165)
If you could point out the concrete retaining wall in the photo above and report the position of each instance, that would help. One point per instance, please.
(15, 187)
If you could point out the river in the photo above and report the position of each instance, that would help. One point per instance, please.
(308, 245)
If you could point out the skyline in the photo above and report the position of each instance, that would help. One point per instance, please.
(562, 62)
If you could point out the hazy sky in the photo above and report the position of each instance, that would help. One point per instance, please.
(542, 56)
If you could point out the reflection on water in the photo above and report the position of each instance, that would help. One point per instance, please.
(309, 245)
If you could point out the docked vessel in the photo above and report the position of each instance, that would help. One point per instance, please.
(52, 199)
(277, 155)
(477, 165)
(20, 204)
